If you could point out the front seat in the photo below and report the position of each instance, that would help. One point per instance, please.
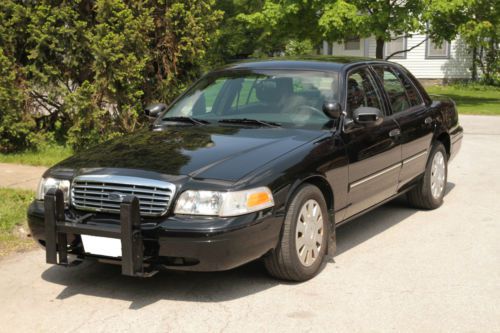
(355, 96)
(274, 93)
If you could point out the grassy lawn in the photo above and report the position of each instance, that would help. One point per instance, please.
(46, 157)
(471, 99)
(13, 226)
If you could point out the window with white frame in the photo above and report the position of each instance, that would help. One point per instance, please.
(352, 43)
(395, 45)
(435, 50)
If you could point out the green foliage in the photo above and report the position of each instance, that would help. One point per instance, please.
(15, 122)
(299, 47)
(80, 71)
(12, 218)
(234, 39)
(478, 23)
(9, 215)
(46, 155)
(334, 20)
(84, 69)
(471, 98)
(15, 125)
(183, 32)
(277, 22)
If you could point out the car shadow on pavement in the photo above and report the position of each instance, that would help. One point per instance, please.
(104, 280)
(375, 222)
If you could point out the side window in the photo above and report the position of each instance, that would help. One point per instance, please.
(206, 99)
(394, 89)
(246, 95)
(361, 91)
(311, 91)
(411, 91)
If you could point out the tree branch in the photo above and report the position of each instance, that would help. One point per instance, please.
(407, 50)
(41, 98)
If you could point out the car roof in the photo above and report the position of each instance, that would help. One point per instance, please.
(322, 63)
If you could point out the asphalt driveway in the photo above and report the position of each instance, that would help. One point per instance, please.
(397, 269)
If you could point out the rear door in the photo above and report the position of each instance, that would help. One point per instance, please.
(374, 152)
(411, 114)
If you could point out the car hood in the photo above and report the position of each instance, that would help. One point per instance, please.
(225, 153)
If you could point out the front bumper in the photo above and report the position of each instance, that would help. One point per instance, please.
(198, 244)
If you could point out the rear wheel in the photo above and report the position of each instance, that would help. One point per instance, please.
(303, 243)
(429, 193)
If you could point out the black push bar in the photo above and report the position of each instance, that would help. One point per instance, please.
(129, 232)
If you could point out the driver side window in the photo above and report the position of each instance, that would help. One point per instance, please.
(361, 91)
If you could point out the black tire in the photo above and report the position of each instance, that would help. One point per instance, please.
(421, 196)
(284, 263)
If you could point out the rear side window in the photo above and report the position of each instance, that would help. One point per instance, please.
(411, 91)
(246, 95)
(394, 88)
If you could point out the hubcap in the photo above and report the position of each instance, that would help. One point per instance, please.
(438, 175)
(309, 233)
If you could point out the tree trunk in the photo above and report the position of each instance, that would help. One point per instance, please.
(380, 49)
(474, 64)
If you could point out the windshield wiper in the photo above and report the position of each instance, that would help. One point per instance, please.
(246, 121)
(182, 119)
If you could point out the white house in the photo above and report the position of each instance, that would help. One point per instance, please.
(449, 61)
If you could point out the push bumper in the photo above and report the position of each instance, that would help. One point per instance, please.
(147, 246)
(57, 229)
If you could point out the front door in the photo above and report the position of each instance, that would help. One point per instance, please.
(374, 152)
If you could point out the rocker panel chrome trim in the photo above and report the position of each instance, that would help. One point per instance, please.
(375, 175)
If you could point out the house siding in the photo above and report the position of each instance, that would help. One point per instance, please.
(457, 66)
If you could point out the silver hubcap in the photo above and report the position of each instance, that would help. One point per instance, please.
(309, 234)
(438, 175)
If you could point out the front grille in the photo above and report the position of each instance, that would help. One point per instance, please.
(104, 193)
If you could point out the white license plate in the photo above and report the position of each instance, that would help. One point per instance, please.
(103, 246)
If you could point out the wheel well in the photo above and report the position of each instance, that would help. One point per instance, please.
(444, 138)
(324, 187)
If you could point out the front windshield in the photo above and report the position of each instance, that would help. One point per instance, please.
(291, 98)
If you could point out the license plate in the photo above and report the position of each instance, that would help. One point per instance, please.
(103, 246)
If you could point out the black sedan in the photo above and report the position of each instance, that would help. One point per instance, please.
(256, 160)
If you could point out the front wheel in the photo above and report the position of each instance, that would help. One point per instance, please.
(303, 244)
(429, 193)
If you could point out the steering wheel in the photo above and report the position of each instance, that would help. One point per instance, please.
(312, 109)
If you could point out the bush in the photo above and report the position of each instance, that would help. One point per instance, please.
(84, 69)
(296, 48)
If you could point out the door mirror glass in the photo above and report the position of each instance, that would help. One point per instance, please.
(368, 116)
(154, 110)
(332, 109)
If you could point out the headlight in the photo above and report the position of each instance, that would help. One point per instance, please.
(214, 203)
(47, 183)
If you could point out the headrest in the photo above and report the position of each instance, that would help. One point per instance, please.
(352, 84)
(271, 91)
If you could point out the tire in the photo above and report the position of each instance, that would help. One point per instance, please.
(284, 262)
(425, 195)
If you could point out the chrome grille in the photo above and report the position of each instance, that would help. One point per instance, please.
(104, 193)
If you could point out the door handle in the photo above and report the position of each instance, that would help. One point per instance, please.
(428, 121)
(394, 132)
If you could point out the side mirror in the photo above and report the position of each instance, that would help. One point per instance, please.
(368, 116)
(153, 110)
(332, 109)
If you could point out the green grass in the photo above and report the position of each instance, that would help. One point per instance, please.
(13, 226)
(471, 98)
(46, 157)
